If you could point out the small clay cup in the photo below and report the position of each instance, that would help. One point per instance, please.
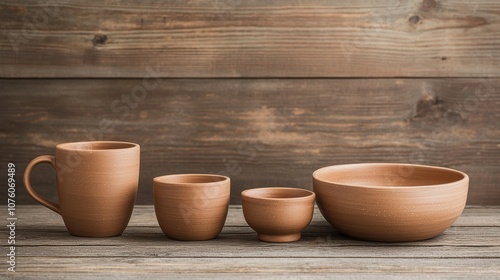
(278, 214)
(390, 202)
(191, 206)
(96, 184)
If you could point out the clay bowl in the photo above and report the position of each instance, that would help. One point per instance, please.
(390, 202)
(191, 206)
(278, 214)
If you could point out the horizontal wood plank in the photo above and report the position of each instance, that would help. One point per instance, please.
(364, 38)
(234, 249)
(33, 216)
(248, 275)
(46, 250)
(260, 132)
(41, 227)
(208, 266)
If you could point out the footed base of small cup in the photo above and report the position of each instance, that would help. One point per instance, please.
(279, 238)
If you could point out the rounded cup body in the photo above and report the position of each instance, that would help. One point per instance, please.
(191, 206)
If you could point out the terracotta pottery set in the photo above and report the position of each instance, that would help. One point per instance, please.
(97, 184)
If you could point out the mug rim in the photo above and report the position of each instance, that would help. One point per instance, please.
(80, 146)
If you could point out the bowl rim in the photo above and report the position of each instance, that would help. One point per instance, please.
(248, 194)
(465, 177)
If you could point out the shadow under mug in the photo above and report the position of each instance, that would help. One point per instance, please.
(97, 184)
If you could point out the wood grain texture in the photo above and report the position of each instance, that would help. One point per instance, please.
(260, 132)
(115, 38)
(46, 250)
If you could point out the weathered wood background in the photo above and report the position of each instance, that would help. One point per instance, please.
(263, 91)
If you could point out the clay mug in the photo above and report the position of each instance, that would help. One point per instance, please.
(97, 185)
(191, 206)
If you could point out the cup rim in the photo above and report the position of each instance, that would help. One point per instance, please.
(81, 146)
(255, 193)
(315, 175)
(164, 179)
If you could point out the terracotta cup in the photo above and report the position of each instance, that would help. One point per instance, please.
(389, 201)
(191, 206)
(96, 183)
(278, 214)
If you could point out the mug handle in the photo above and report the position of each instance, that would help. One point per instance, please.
(45, 202)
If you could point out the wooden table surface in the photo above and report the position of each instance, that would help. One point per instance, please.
(45, 250)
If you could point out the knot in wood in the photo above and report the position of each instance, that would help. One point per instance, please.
(414, 19)
(99, 39)
(428, 5)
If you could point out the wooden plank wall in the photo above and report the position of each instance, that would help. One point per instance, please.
(263, 91)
